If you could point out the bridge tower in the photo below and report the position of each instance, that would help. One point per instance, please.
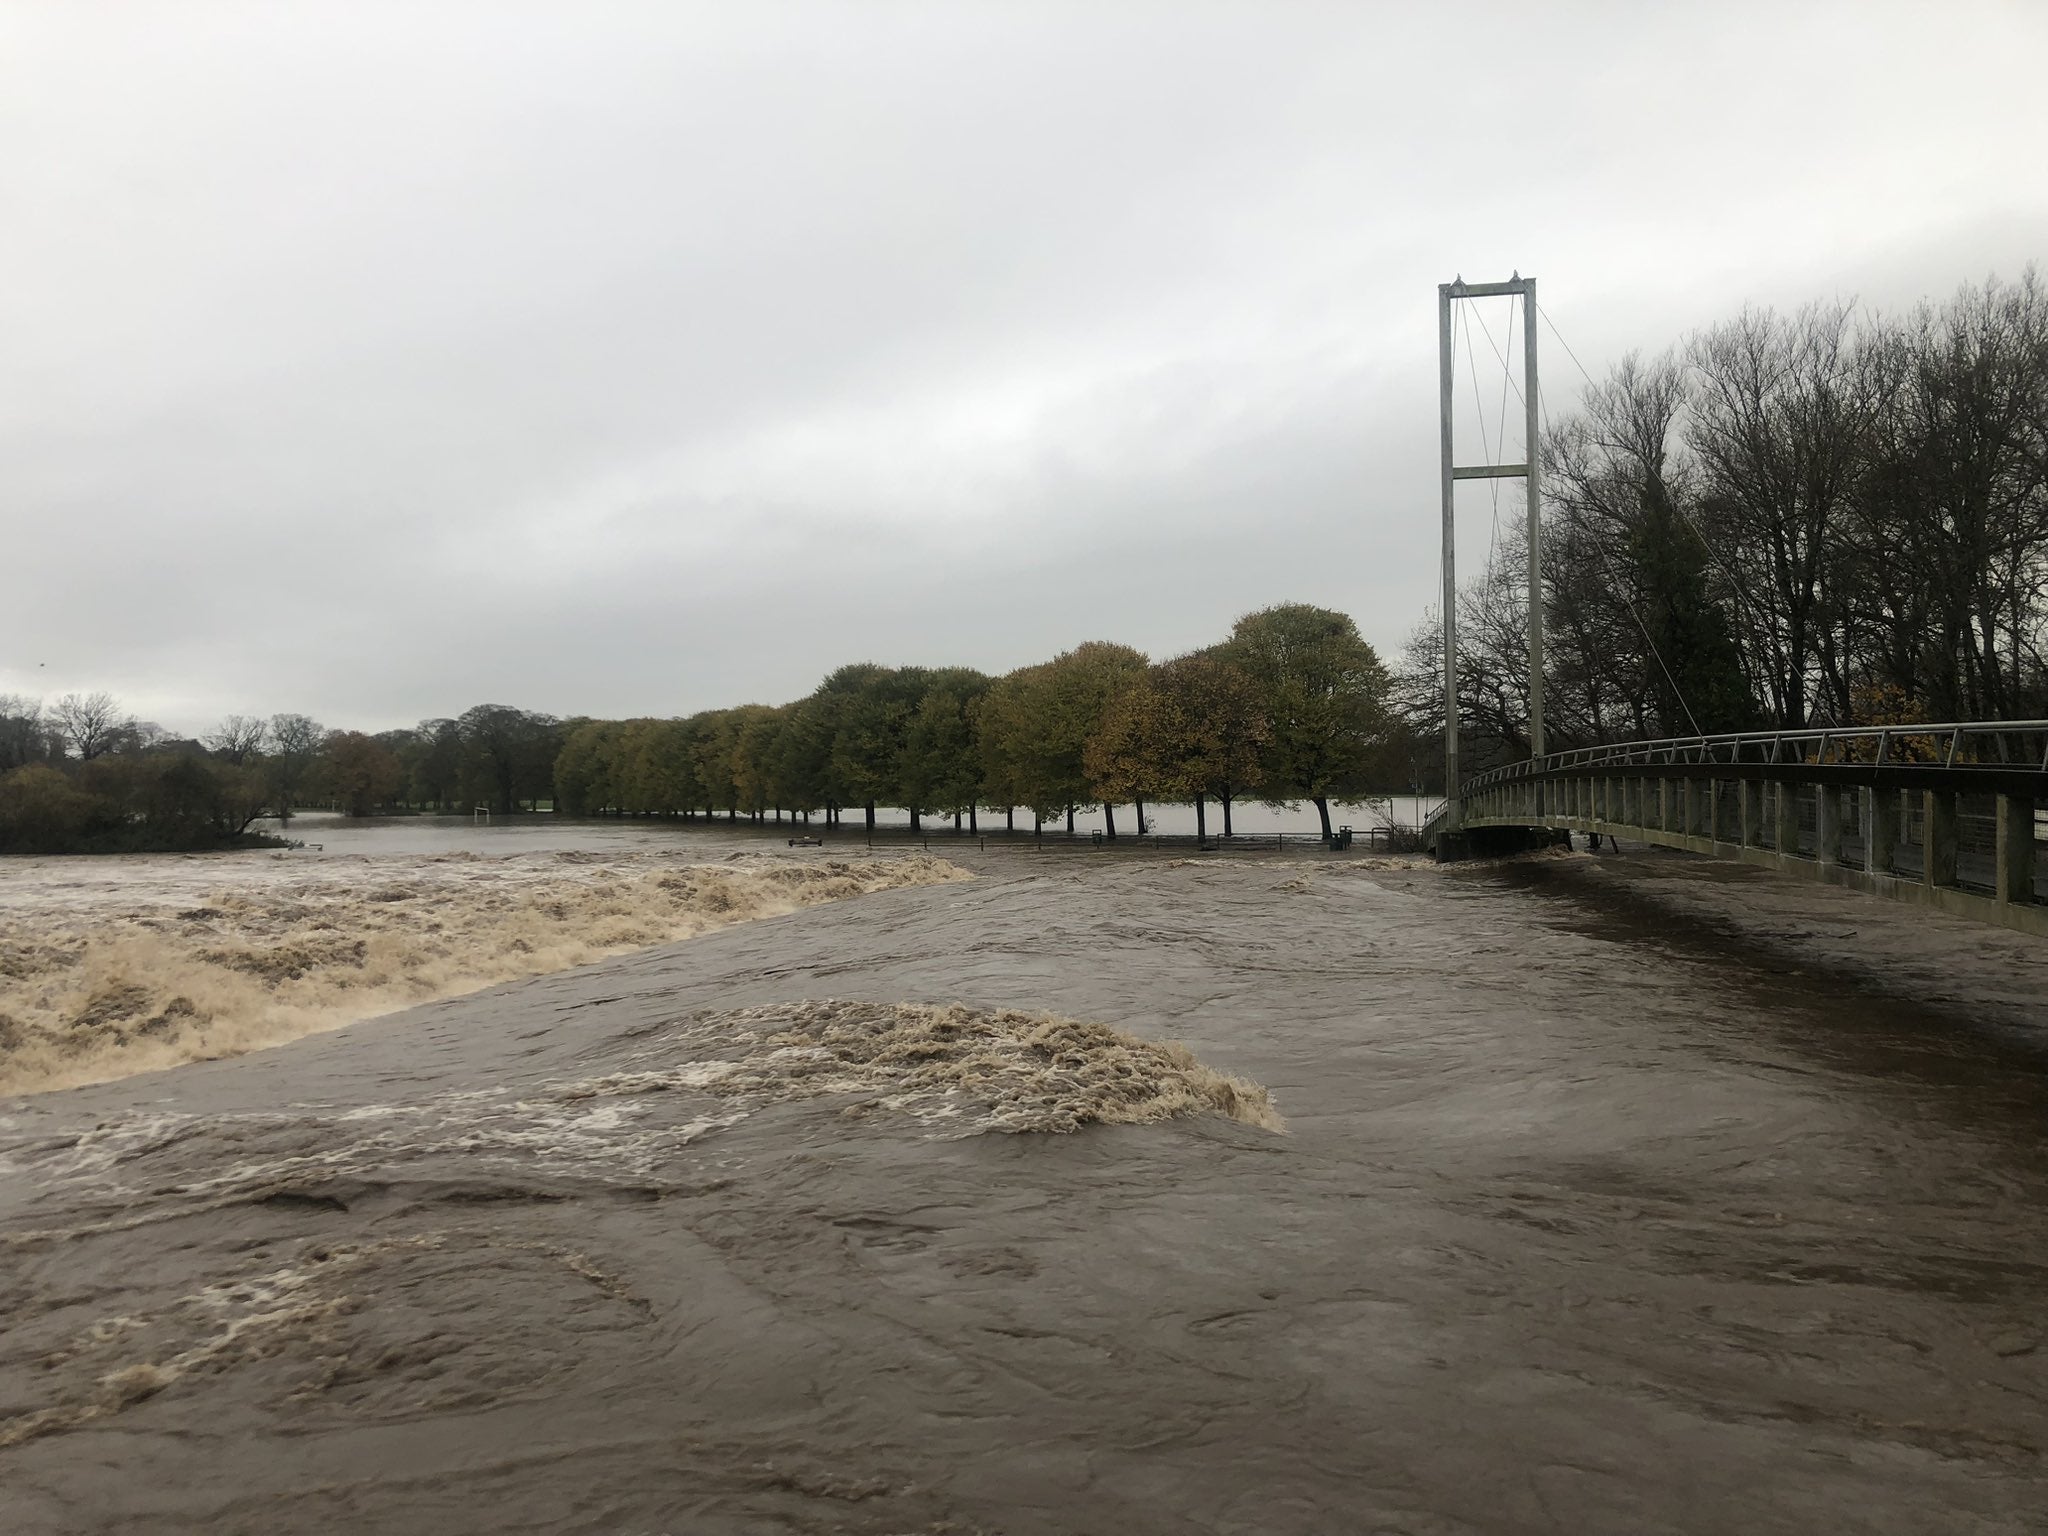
(1531, 474)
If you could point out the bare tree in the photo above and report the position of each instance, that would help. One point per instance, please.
(1957, 498)
(1621, 489)
(238, 738)
(94, 723)
(1781, 416)
(294, 741)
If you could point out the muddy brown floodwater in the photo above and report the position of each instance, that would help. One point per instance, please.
(1630, 1195)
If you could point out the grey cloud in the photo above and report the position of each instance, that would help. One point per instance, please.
(374, 360)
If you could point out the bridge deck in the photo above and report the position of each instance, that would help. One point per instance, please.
(1942, 815)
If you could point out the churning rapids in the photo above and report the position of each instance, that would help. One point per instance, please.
(1626, 1194)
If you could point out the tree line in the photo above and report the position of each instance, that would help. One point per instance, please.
(83, 775)
(1293, 706)
(1828, 517)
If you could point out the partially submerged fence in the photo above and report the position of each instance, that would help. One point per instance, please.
(1349, 839)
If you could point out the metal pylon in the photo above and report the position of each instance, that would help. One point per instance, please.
(1531, 473)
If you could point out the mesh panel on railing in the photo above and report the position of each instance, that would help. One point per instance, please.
(1908, 858)
(1977, 841)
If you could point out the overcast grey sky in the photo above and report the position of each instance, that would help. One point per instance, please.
(379, 360)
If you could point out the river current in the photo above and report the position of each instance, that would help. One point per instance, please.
(1619, 1194)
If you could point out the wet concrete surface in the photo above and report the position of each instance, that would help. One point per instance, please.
(1629, 1195)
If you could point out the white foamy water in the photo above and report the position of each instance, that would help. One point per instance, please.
(110, 966)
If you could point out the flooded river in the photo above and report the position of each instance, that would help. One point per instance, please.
(1626, 1194)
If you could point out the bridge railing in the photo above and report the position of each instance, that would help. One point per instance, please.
(2008, 745)
(1943, 812)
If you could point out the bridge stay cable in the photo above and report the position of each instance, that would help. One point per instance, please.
(1500, 436)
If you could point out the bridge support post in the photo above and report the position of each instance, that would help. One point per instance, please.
(2015, 848)
(1938, 840)
(1827, 842)
(1880, 830)
(1714, 827)
(1689, 806)
(1786, 835)
(1752, 813)
(1663, 805)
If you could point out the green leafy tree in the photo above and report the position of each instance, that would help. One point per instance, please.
(802, 765)
(1072, 698)
(1189, 728)
(587, 768)
(875, 706)
(941, 763)
(361, 773)
(757, 728)
(714, 733)
(1013, 770)
(437, 765)
(1324, 691)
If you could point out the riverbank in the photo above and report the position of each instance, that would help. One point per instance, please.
(1577, 1224)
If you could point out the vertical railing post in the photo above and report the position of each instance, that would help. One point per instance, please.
(1827, 842)
(1880, 830)
(1752, 812)
(1938, 839)
(2015, 848)
(1787, 834)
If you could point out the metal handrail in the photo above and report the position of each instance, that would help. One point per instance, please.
(1829, 743)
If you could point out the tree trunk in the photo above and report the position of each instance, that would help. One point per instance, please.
(1201, 817)
(1070, 821)
(1322, 804)
(1138, 806)
(871, 818)
(1010, 819)
(1037, 825)
(1226, 813)
(915, 824)
(956, 821)
(1109, 821)
(973, 819)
